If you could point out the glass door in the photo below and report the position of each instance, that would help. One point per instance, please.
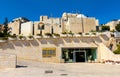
(79, 56)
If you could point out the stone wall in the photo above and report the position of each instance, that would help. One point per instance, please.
(27, 28)
(32, 49)
(7, 60)
(77, 25)
(15, 26)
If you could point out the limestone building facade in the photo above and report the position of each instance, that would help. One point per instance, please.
(78, 23)
(112, 24)
(15, 25)
(68, 22)
(52, 25)
(61, 50)
(27, 28)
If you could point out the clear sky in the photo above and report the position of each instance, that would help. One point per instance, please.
(104, 10)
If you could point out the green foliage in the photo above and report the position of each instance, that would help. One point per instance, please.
(6, 29)
(4, 35)
(86, 33)
(105, 28)
(117, 51)
(55, 34)
(48, 34)
(117, 27)
(94, 33)
(4, 38)
(64, 33)
(13, 36)
(21, 37)
(71, 33)
(1, 34)
(30, 36)
(39, 35)
(112, 31)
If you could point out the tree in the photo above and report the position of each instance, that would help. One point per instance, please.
(6, 29)
(117, 27)
(117, 51)
(105, 28)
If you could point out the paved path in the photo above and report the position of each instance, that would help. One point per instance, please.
(37, 69)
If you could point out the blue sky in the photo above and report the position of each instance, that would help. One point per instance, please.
(104, 10)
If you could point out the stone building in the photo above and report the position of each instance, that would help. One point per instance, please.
(67, 49)
(68, 22)
(27, 28)
(61, 50)
(78, 23)
(112, 24)
(51, 25)
(15, 25)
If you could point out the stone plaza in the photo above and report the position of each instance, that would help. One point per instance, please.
(26, 68)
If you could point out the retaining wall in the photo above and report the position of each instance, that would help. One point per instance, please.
(7, 60)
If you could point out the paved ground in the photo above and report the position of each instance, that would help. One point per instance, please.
(37, 69)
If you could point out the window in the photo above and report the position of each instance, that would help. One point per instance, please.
(41, 27)
(60, 26)
(48, 52)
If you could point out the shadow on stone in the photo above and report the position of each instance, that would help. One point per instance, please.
(48, 71)
(34, 42)
(63, 74)
(20, 66)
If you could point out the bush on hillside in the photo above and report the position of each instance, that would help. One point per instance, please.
(117, 51)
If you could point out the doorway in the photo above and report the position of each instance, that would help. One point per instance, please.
(72, 55)
(80, 56)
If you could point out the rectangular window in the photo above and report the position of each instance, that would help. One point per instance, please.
(48, 52)
(41, 27)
